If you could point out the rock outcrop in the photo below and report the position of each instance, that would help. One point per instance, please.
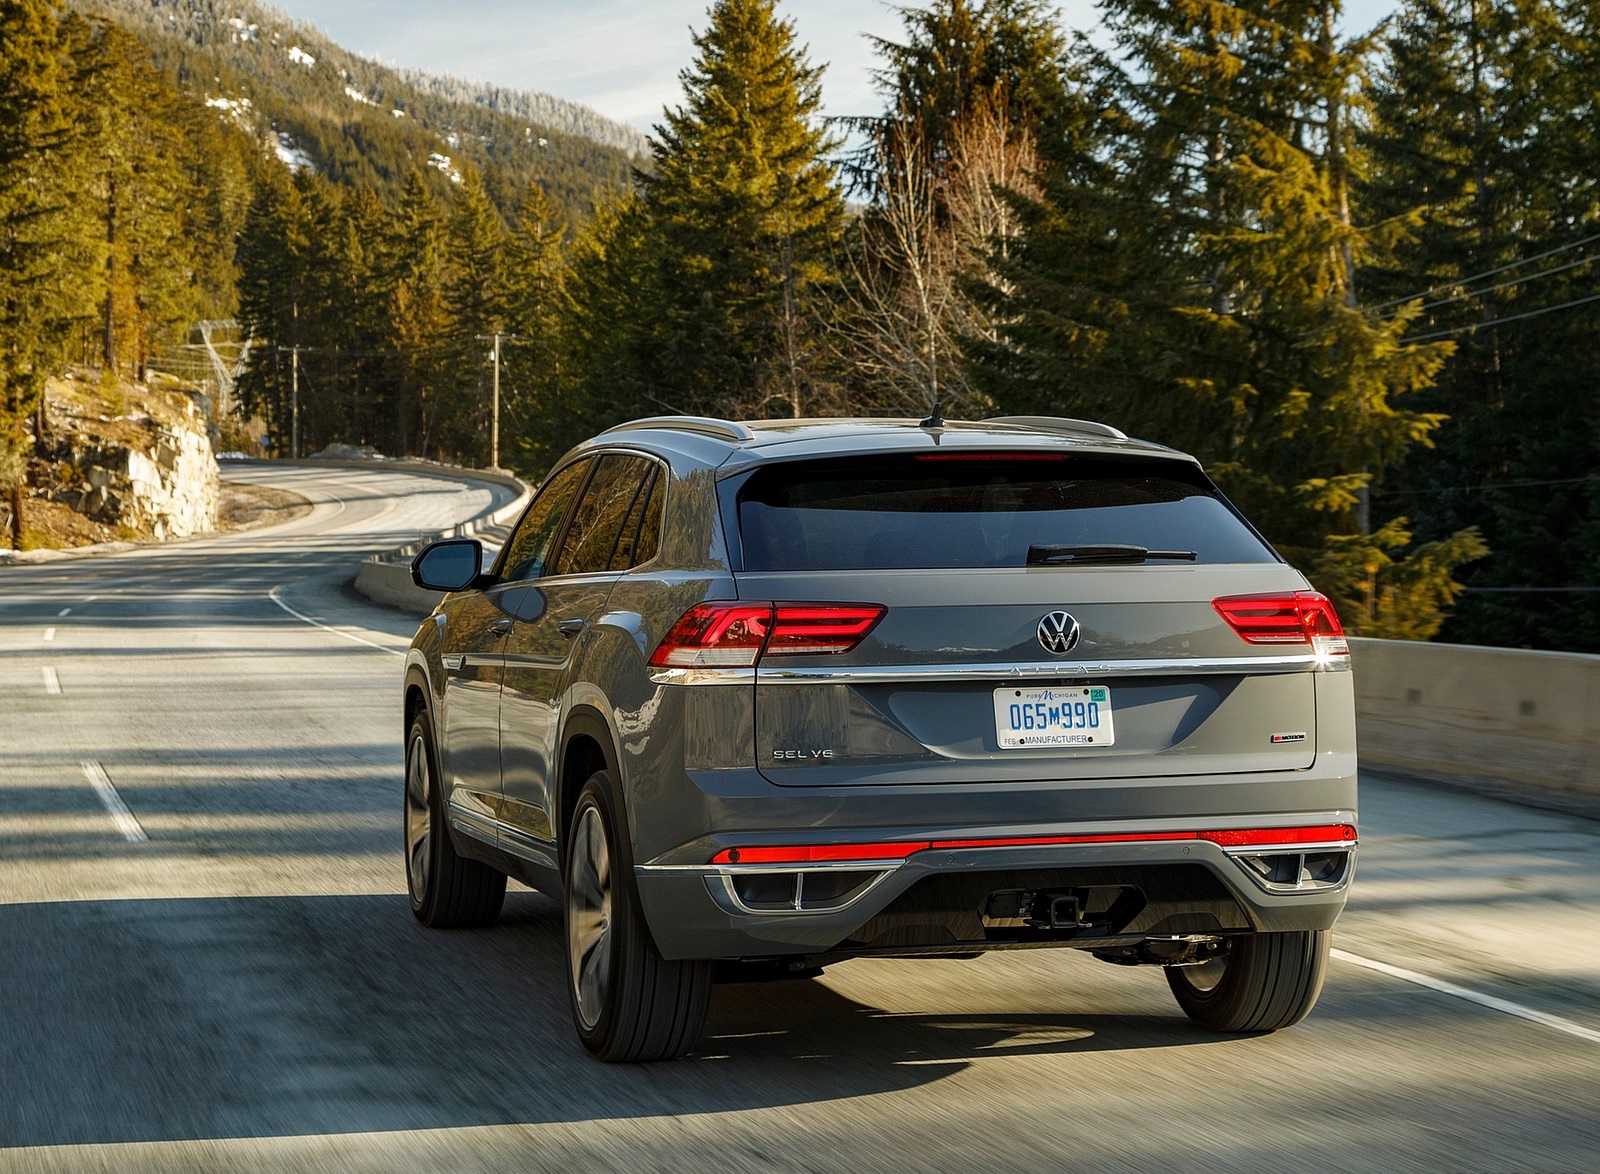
(127, 460)
(168, 489)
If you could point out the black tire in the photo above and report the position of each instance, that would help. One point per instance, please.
(629, 1004)
(448, 890)
(1264, 982)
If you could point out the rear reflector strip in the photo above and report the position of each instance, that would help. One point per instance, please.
(1337, 833)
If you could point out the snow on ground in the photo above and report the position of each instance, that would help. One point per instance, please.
(443, 163)
(238, 110)
(290, 153)
(300, 57)
(357, 96)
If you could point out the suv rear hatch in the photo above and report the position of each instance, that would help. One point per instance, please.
(1046, 616)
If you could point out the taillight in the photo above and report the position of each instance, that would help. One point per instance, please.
(721, 635)
(1288, 617)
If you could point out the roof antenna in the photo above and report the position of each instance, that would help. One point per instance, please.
(936, 420)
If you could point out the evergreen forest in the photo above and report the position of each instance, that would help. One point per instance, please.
(1351, 270)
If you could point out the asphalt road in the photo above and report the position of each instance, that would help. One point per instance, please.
(207, 961)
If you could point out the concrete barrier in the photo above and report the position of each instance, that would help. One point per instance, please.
(386, 578)
(1526, 724)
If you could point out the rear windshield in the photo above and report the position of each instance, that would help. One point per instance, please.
(977, 510)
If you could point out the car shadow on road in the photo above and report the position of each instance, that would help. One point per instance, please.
(287, 1016)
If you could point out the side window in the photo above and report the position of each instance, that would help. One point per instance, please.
(597, 524)
(641, 532)
(527, 554)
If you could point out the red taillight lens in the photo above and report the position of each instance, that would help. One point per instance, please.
(721, 635)
(1289, 617)
(801, 854)
(806, 627)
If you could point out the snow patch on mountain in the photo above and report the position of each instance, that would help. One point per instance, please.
(289, 151)
(444, 164)
(300, 57)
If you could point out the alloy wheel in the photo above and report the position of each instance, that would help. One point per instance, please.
(589, 937)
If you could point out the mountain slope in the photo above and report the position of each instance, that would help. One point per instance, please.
(363, 123)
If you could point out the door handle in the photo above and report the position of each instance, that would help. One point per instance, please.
(571, 628)
(502, 627)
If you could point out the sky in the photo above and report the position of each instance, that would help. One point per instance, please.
(622, 57)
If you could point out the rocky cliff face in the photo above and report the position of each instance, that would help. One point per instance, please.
(120, 461)
(167, 488)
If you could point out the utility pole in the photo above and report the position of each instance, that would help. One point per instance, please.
(494, 420)
(494, 417)
(294, 403)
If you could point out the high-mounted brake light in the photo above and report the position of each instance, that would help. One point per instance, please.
(992, 456)
(1286, 617)
(737, 635)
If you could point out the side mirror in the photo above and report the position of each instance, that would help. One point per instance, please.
(451, 564)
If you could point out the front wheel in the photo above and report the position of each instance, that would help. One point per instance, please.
(1264, 982)
(447, 889)
(628, 1003)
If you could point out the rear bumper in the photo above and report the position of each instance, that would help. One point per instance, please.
(937, 900)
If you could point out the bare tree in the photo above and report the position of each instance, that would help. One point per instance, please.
(927, 240)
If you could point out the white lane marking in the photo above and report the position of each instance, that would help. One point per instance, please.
(49, 635)
(66, 611)
(120, 815)
(300, 615)
(52, 683)
(1505, 1006)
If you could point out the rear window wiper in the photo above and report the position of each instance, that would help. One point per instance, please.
(1114, 552)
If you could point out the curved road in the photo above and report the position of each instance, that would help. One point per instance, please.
(207, 962)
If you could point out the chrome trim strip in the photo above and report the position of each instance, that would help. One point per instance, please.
(529, 848)
(704, 676)
(771, 673)
(647, 870)
(479, 827)
(1003, 674)
(1290, 849)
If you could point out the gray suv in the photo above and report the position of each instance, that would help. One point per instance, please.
(753, 698)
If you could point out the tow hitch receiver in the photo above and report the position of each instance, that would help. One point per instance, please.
(1054, 911)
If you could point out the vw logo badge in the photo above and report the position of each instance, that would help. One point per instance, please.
(1059, 632)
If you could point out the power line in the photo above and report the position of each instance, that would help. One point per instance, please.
(1478, 293)
(1502, 321)
(1451, 284)
(1431, 490)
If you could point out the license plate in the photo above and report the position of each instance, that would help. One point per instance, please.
(1025, 719)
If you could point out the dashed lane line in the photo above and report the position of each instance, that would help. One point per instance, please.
(1494, 1003)
(49, 635)
(52, 683)
(120, 815)
(300, 615)
(66, 611)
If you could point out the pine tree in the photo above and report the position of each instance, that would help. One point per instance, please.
(477, 299)
(745, 212)
(38, 232)
(274, 284)
(418, 333)
(536, 288)
(1203, 288)
(1479, 116)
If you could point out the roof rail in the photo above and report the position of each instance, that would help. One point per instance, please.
(704, 425)
(1061, 424)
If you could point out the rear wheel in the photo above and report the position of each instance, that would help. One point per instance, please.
(628, 1003)
(448, 890)
(1264, 982)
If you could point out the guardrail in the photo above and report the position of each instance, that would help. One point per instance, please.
(1519, 722)
(386, 578)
